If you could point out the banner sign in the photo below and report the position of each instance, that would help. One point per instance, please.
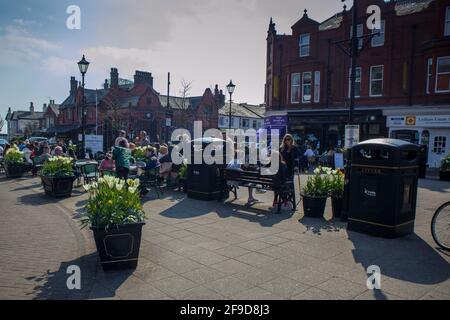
(351, 136)
(419, 121)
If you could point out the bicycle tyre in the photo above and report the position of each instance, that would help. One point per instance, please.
(433, 225)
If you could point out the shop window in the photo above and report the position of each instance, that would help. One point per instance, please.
(304, 45)
(295, 88)
(359, 34)
(357, 82)
(317, 86)
(443, 74)
(306, 87)
(440, 143)
(376, 81)
(429, 74)
(378, 40)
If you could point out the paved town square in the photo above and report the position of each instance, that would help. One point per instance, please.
(210, 250)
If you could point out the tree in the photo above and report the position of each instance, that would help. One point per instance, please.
(182, 103)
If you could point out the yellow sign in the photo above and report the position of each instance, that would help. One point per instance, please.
(410, 121)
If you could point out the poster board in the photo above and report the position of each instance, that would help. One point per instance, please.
(351, 136)
(94, 142)
(339, 160)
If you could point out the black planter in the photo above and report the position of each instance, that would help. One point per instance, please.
(336, 206)
(314, 207)
(15, 170)
(118, 246)
(444, 175)
(58, 186)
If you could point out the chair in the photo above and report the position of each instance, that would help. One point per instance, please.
(89, 172)
(151, 179)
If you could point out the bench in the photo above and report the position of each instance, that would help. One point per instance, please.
(285, 190)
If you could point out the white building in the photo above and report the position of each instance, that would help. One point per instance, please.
(244, 116)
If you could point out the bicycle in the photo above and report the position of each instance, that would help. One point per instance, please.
(440, 226)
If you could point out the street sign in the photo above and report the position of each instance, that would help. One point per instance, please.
(351, 136)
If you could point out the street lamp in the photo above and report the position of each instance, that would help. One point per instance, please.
(230, 88)
(83, 65)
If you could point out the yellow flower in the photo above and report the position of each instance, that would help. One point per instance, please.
(110, 202)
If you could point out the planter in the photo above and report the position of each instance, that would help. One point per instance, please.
(58, 186)
(118, 246)
(15, 170)
(336, 206)
(444, 175)
(314, 207)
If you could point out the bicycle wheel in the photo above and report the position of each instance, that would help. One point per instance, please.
(440, 226)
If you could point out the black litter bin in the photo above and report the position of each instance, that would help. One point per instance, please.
(383, 187)
(206, 182)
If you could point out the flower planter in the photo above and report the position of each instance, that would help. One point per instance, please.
(444, 175)
(15, 170)
(313, 206)
(58, 186)
(118, 246)
(336, 206)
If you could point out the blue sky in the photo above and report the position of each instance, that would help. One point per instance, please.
(203, 41)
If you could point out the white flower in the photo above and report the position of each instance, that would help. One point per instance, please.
(317, 170)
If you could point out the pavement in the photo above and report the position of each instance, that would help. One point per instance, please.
(210, 250)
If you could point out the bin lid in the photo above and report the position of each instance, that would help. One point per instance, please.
(396, 143)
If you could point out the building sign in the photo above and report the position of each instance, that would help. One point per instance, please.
(351, 136)
(93, 142)
(419, 121)
(276, 121)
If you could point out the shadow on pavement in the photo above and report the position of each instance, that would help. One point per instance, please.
(53, 284)
(320, 225)
(435, 185)
(186, 208)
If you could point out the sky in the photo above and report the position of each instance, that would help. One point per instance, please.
(206, 42)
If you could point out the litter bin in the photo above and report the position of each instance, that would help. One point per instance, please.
(204, 181)
(383, 187)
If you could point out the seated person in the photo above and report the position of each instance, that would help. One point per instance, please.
(58, 151)
(107, 164)
(236, 164)
(165, 161)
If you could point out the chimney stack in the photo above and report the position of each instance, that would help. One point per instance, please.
(142, 77)
(106, 84)
(73, 86)
(44, 108)
(31, 108)
(114, 78)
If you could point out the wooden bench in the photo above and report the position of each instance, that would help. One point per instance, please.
(285, 190)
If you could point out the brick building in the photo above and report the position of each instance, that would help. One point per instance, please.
(403, 76)
(134, 106)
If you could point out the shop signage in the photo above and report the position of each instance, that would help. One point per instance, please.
(276, 121)
(419, 121)
(351, 136)
(339, 160)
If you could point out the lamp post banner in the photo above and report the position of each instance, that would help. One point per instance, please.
(351, 136)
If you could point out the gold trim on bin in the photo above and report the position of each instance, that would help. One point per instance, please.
(382, 225)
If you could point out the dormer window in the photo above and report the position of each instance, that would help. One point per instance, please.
(304, 43)
(447, 22)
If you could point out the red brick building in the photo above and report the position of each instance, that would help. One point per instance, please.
(403, 76)
(135, 106)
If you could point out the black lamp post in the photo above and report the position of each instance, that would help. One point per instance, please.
(83, 65)
(354, 54)
(230, 88)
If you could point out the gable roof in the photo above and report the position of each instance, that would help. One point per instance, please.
(243, 110)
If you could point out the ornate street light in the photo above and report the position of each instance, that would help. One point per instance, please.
(83, 65)
(230, 88)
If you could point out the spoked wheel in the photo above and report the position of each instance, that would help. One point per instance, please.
(440, 226)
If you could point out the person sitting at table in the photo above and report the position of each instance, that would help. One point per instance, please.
(107, 164)
(58, 151)
(165, 161)
(236, 164)
(122, 155)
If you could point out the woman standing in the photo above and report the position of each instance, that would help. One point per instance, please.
(290, 154)
(122, 155)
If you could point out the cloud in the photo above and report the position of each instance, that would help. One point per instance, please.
(20, 47)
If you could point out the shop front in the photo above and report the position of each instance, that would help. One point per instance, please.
(431, 130)
(325, 129)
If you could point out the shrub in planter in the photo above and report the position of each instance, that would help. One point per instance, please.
(115, 215)
(336, 186)
(182, 174)
(444, 171)
(315, 193)
(14, 163)
(57, 176)
(140, 153)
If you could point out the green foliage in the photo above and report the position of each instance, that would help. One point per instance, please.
(13, 156)
(113, 201)
(183, 171)
(57, 167)
(318, 185)
(445, 164)
(140, 153)
(337, 181)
